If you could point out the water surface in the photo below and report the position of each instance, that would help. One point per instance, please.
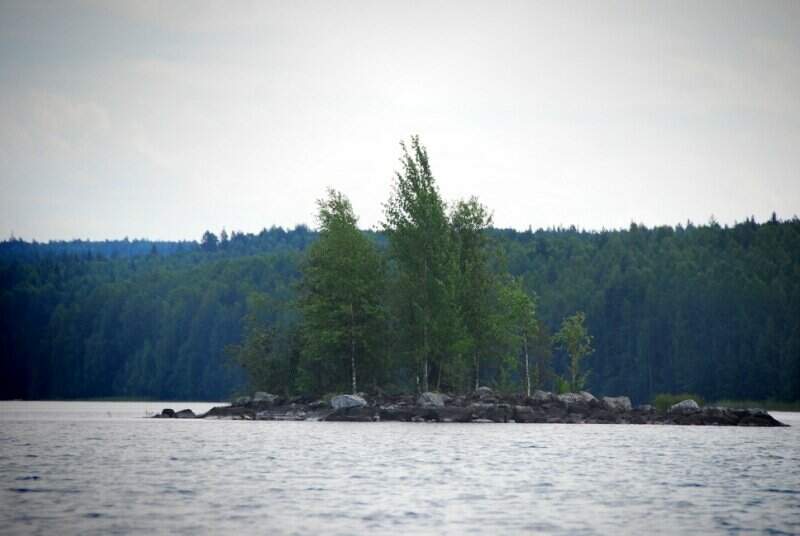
(101, 467)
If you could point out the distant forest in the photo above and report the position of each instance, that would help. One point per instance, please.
(709, 309)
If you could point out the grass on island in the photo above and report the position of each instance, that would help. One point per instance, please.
(663, 401)
(769, 405)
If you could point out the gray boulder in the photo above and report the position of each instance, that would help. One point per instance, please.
(261, 396)
(483, 392)
(431, 400)
(241, 401)
(617, 403)
(685, 406)
(185, 414)
(347, 401)
(543, 396)
(583, 397)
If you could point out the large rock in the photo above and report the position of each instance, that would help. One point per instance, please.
(483, 392)
(453, 414)
(581, 398)
(529, 414)
(543, 396)
(617, 403)
(167, 413)
(241, 401)
(265, 398)
(185, 414)
(347, 401)
(393, 412)
(229, 412)
(758, 417)
(431, 400)
(685, 406)
(480, 412)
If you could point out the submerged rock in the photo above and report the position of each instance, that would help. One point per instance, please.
(347, 401)
(354, 414)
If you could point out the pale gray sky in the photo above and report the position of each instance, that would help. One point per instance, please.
(163, 119)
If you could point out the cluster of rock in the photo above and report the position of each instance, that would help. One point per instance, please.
(481, 406)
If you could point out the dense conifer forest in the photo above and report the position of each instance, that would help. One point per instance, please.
(435, 299)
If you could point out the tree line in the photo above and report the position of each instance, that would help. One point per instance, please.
(435, 299)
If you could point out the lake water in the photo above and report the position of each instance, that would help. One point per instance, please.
(102, 468)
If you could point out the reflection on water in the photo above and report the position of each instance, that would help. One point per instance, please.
(92, 467)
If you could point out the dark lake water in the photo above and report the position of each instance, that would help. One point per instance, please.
(102, 468)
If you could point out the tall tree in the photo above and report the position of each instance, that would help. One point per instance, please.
(469, 221)
(420, 242)
(342, 288)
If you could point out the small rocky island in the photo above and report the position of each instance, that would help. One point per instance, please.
(481, 406)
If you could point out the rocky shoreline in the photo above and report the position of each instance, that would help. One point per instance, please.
(482, 406)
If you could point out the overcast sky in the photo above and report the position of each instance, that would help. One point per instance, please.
(162, 120)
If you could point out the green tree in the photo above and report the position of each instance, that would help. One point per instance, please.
(521, 326)
(420, 242)
(575, 339)
(469, 221)
(341, 301)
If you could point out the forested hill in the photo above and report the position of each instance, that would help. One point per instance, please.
(235, 243)
(707, 309)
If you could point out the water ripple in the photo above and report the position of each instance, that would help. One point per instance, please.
(68, 468)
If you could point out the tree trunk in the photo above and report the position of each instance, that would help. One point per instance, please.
(425, 353)
(477, 370)
(527, 365)
(425, 317)
(353, 347)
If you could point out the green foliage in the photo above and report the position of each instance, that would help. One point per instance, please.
(342, 304)
(519, 326)
(423, 250)
(664, 401)
(476, 287)
(561, 385)
(574, 338)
